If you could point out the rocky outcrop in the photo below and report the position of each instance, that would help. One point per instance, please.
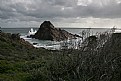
(48, 32)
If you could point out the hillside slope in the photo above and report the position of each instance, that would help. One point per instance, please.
(19, 60)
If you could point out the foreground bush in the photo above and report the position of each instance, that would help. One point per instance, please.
(20, 61)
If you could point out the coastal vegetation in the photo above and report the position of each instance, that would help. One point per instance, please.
(99, 59)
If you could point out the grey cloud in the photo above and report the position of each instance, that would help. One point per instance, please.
(52, 9)
(67, 3)
(111, 11)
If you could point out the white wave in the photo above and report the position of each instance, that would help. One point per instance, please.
(117, 31)
(31, 32)
(49, 47)
(25, 37)
(53, 45)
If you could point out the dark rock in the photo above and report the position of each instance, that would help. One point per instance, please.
(35, 43)
(30, 36)
(48, 32)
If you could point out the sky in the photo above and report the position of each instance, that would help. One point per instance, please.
(62, 13)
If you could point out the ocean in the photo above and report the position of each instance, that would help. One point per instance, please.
(52, 45)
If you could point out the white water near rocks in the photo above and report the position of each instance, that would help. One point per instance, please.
(54, 45)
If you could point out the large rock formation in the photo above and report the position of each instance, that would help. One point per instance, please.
(48, 32)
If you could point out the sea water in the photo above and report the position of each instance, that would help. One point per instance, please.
(52, 45)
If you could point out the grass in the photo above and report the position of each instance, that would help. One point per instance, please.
(20, 61)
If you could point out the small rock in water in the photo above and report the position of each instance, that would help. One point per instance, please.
(35, 43)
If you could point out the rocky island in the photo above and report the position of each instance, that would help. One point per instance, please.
(48, 32)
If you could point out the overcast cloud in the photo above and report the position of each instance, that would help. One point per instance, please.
(63, 13)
